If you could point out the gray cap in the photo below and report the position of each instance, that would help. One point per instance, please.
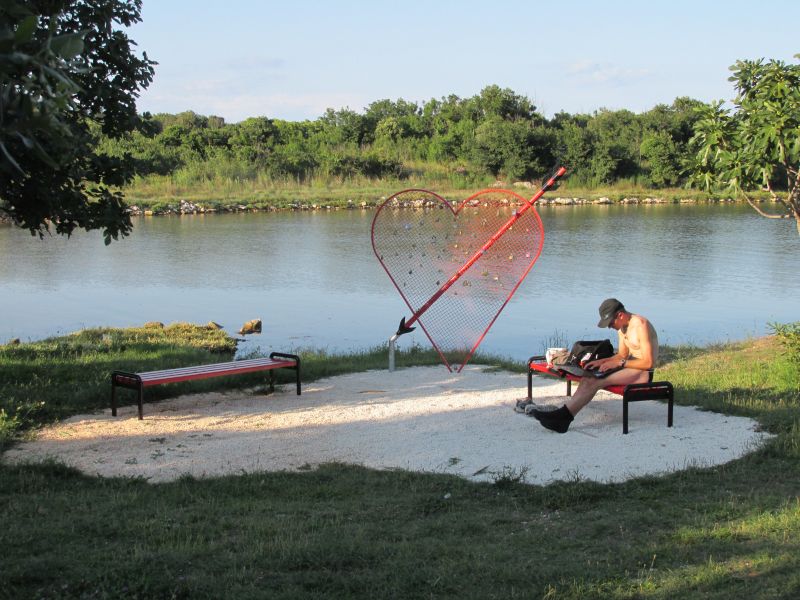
(608, 310)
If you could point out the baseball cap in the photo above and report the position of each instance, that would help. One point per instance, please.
(608, 310)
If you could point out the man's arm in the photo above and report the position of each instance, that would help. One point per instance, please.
(612, 362)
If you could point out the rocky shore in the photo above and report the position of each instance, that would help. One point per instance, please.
(185, 207)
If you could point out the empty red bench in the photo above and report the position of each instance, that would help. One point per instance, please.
(633, 392)
(139, 381)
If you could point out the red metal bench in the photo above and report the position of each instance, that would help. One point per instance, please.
(139, 381)
(634, 392)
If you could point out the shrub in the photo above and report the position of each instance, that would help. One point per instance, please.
(789, 336)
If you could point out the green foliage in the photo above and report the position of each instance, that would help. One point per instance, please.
(617, 139)
(495, 134)
(757, 144)
(789, 336)
(65, 71)
(576, 144)
(660, 153)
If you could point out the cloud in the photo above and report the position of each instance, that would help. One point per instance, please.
(607, 74)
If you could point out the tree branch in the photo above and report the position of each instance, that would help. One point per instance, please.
(756, 208)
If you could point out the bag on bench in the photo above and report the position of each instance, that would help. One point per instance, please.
(586, 351)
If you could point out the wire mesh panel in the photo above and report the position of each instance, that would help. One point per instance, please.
(456, 267)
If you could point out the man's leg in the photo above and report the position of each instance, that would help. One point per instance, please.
(589, 386)
(583, 395)
(559, 420)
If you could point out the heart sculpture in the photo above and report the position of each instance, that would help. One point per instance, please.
(472, 251)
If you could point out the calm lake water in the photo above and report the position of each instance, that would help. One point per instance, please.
(700, 273)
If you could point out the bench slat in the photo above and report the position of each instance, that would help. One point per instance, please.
(212, 370)
(191, 374)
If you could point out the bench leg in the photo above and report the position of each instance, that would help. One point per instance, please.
(530, 383)
(624, 416)
(670, 403)
(297, 375)
(140, 401)
(113, 397)
(660, 390)
(569, 387)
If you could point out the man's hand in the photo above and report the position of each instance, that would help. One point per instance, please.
(604, 364)
(608, 365)
(593, 365)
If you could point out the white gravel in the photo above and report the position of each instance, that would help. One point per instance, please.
(420, 419)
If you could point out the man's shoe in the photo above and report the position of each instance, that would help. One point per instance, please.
(556, 420)
(523, 404)
(541, 408)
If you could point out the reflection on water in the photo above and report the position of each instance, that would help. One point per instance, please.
(701, 273)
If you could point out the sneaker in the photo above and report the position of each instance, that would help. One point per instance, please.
(555, 420)
(540, 408)
(523, 404)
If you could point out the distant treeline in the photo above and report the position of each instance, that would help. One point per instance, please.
(496, 133)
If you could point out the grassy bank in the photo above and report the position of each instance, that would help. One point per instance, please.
(731, 531)
(165, 193)
(41, 382)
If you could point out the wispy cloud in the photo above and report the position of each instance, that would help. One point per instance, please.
(598, 73)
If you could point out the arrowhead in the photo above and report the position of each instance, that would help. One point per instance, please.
(403, 328)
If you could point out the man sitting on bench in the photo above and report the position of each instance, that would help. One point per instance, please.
(637, 354)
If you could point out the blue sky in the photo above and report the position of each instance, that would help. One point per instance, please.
(292, 59)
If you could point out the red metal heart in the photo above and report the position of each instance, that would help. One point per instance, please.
(422, 242)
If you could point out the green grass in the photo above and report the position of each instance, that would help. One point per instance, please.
(731, 531)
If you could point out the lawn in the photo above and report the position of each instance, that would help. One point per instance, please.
(731, 531)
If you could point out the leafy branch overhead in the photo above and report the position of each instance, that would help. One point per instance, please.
(67, 74)
(757, 144)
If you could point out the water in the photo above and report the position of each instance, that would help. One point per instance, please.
(700, 273)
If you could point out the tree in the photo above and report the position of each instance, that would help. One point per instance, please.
(757, 145)
(513, 148)
(660, 155)
(66, 77)
(574, 145)
(504, 103)
(254, 139)
(617, 137)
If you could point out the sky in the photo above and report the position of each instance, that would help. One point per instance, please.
(293, 59)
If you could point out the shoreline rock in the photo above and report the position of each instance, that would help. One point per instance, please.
(185, 207)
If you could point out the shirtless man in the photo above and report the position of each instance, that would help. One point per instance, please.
(637, 354)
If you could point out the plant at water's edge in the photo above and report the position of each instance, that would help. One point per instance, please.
(789, 336)
(557, 340)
